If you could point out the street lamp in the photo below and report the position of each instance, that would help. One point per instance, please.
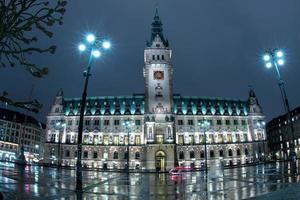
(204, 125)
(60, 125)
(262, 125)
(275, 58)
(128, 124)
(92, 47)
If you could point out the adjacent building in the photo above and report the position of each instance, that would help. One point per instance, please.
(165, 127)
(16, 130)
(280, 137)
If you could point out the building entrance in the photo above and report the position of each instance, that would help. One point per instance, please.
(160, 161)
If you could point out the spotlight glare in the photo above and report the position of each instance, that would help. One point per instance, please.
(269, 65)
(106, 45)
(279, 54)
(280, 62)
(96, 53)
(90, 38)
(267, 57)
(81, 47)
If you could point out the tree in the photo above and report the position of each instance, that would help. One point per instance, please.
(20, 21)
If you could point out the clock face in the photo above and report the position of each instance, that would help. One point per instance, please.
(159, 75)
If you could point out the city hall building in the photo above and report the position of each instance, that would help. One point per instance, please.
(165, 129)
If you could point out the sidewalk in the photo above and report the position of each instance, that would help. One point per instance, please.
(291, 192)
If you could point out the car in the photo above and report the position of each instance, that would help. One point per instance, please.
(178, 170)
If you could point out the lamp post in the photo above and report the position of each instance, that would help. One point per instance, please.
(92, 46)
(128, 124)
(261, 125)
(204, 125)
(60, 125)
(275, 58)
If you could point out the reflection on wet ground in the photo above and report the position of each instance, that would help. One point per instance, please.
(235, 183)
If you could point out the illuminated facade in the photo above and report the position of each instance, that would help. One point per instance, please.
(17, 129)
(279, 135)
(166, 129)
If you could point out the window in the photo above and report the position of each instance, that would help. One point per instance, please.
(163, 57)
(235, 122)
(219, 122)
(202, 154)
(96, 122)
(70, 122)
(116, 122)
(105, 140)
(181, 155)
(227, 122)
(157, 56)
(67, 153)
(137, 140)
(137, 122)
(153, 57)
(137, 155)
(238, 152)
(221, 153)
(116, 155)
(77, 122)
(246, 152)
(192, 154)
(56, 110)
(229, 152)
(106, 122)
(191, 139)
(212, 153)
(190, 122)
(85, 154)
(180, 139)
(243, 122)
(95, 155)
(87, 122)
(116, 140)
(180, 122)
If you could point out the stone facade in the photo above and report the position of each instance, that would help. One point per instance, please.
(166, 130)
(279, 135)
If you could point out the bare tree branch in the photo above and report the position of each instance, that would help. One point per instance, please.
(18, 20)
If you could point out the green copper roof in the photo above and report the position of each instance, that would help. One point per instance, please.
(135, 105)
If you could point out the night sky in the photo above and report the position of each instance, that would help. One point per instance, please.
(217, 48)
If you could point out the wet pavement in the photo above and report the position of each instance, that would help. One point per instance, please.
(270, 181)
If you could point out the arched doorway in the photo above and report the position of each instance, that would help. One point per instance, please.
(160, 161)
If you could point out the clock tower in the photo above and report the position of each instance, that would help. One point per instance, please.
(159, 119)
(158, 71)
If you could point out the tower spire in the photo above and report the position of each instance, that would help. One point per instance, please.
(157, 29)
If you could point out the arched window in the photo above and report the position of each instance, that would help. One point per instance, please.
(192, 154)
(67, 153)
(137, 155)
(229, 152)
(116, 155)
(95, 154)
(221, 153)
(246, 152)
(201, 154)
(181, 155)
(212, 153)
(238, 152)
(85, 154)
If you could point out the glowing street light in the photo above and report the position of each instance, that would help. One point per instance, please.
(205, 125)
(90, 38)
(92, 46)
(275, 58)
(128, 124)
